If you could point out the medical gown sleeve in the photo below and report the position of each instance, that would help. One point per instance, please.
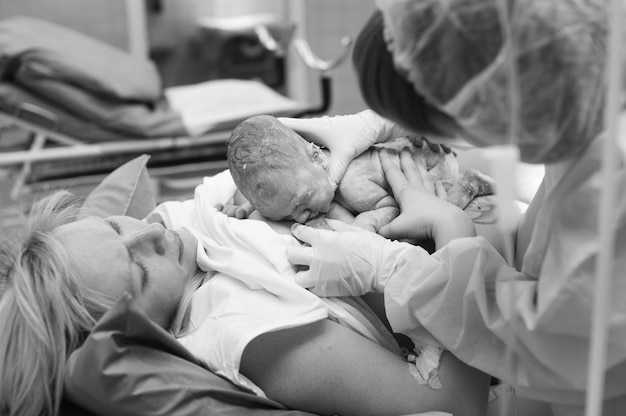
(488, 314)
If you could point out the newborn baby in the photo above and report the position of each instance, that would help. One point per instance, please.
(283, 176)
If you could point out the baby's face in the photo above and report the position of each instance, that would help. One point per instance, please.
(301, 196)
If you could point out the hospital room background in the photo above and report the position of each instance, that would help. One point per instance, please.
(291, 56)
(190, 42)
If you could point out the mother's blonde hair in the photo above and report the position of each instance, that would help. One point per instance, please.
(44, 311)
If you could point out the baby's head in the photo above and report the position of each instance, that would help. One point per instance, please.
(281, 174)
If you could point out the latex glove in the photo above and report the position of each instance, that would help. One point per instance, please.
(423, 213)
(345, 136)
(349, 261)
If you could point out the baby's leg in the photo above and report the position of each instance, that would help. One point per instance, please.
(373, 220)
(325, 368)
(471, 184)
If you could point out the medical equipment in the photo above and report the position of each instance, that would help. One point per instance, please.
(604, 283)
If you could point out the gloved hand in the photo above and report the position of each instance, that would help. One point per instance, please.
(348, 261)
(423, 213)
(345, 136)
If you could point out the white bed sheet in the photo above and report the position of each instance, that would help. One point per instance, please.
(206, 105)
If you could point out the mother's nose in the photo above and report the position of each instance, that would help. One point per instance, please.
(151, 237)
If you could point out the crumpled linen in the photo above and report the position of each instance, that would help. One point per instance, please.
(424, 366)
(68, 56)
(455, 54)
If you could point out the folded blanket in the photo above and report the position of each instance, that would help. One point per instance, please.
(19, 101)
(224, 103)
(72, 57)
(129, 118)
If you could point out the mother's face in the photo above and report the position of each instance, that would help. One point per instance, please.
(122, 254)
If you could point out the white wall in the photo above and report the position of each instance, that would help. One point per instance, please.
(323, 23)
(104, 20)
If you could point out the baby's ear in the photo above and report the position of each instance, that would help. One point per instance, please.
(317, 155)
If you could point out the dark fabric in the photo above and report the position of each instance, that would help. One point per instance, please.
(74, 58)
(129, 118)
(71, 409)
(85, 79)
(130, 366)
(383, 88)
(17, 101)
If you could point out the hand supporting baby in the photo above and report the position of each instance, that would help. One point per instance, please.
(349, 261)
(423, 213)
(345, 136)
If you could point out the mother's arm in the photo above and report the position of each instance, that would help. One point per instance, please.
(325, 368)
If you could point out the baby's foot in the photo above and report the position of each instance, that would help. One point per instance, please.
(471, 184)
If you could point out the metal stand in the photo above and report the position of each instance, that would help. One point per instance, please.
(323, 67)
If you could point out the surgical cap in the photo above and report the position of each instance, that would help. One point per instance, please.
(388, 92)
(459, 59)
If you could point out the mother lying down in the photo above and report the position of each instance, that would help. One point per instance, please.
(247, 318)
(226, 291)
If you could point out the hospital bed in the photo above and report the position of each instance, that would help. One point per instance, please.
(129, 365)
(78, 108)
(70, 137)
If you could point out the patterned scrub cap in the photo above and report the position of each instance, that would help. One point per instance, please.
(461, 59)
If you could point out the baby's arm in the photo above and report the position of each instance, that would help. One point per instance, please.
(374, 219)
(337, 212)
(238, 206)
(362, 191)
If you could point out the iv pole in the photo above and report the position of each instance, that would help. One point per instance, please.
(604, 267)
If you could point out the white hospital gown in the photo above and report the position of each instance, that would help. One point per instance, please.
(250, 288)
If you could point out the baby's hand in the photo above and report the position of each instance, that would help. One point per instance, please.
(242, 211)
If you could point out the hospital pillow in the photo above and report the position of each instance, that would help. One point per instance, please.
(66, 55)
(128, 190)
(128, 365)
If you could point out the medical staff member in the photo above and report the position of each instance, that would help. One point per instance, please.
(443, 67)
